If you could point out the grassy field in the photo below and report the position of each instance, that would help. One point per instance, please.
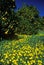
(27, 50)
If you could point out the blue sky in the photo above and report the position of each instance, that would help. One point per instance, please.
(38, 3)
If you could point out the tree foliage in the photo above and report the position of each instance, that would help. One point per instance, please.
(25, 21)
(7, 18)
(28, 20)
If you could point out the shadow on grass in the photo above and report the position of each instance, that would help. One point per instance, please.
(9, 37)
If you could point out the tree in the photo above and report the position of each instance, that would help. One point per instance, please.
(7, 18)
(28, 19)
(6, 5)
(28, 11)
(42, 23)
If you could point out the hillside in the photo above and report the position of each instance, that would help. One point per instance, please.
(27, 50)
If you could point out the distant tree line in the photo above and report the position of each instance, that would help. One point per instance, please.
(25, 21)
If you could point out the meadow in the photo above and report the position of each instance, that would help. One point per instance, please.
(27, 50)
(21, 34)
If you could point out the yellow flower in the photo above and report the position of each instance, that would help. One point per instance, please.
(37, 49)
(6, 55)
(32, 61)
(25, 36)
(17, 46)
(14, 50)
(20, 59)
(9, 54)
(10, 60)
(19, 54)
(25, 54)
(31, 54)
(21, 40)
(12, 57)
(36, 56)
(28, 63)
(15, 62)
(39, 61)
(2, 60)
(7, 62)
(14, 54)
(40, 64)
(31, 58)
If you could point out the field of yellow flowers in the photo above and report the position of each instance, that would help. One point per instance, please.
(27, 50)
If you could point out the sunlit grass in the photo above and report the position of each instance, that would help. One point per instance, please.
(27, 50)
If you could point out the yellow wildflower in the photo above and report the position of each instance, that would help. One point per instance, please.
(7, 62)
(2, 60)
(37, 49)
(32, 61)
(6, 55)
(20, 54)
(28, 63)
(21, 40)
(31, 54)
(39, 61)
(14, 50)
(31, 58)
(36, 56)
(15, 62)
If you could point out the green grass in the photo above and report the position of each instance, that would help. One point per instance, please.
(27, 50)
